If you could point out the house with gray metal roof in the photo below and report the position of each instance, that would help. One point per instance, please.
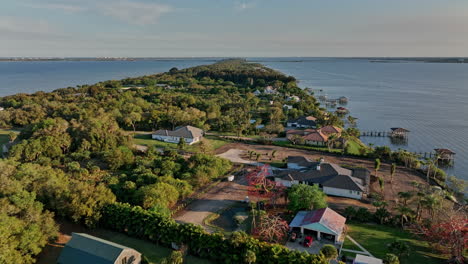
(84, 248)
(331, 178)
(190, 134)
(303, 122)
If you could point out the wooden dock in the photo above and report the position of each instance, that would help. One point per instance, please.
(375, 134)
(396, 132)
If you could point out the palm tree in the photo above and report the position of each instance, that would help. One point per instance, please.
(405, 214)
(405, 196)
(431, 203)
(376, 166)
(273, 153)
(331, 141)
(392, 171)
(428, 162)
(419, 197)
(380, 204)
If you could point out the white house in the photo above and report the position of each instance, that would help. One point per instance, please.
(321, 223)
(190, 134)
(270, 90)
(331, 178)
(294, 98)
(288, 107)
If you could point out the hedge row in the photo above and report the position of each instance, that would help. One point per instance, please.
(137, 222)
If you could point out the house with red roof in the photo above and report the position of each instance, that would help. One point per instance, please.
(321, 223)
(314, 137)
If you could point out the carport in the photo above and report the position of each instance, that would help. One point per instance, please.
(322, 223)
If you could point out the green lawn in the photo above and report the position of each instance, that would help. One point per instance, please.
(375, 239)
(355, 145)
(350, 245)
(216, 142)
(288, 144)
(153, 252)
(146, 140)
(4, 138)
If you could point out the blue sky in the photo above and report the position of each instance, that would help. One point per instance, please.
(273, 28)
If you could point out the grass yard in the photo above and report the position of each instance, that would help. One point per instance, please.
(4, 138)
(216, 142)
(350, 245)
(146, 140)
(375, 239)
(355, 145)
(153, 252)
(288, 144)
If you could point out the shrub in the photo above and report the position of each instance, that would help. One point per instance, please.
(391, 259)
(137, 222)
(363, 215)
(329, 251)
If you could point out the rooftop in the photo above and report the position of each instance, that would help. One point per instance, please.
(84, 248)
(327, 217)
(317, 136)
(361, 259)
(304, 120)
(444, 151)
(326, 174)
(399, 129)
(185, 132)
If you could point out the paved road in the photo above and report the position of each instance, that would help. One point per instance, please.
(217, 198)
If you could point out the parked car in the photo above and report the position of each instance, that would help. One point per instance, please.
(308, 241)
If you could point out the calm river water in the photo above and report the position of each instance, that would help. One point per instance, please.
(429, 99)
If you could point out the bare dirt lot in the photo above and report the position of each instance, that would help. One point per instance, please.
(214, 200)
(401, 181)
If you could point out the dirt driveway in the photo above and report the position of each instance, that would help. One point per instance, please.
(217, 198)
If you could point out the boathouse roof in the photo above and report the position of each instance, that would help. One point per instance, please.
(399, 130)
(444, 151)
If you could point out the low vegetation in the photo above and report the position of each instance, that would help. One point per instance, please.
(377, 238)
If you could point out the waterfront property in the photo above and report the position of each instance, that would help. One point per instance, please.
(84, 248)
(445, 155)
(399, 132)
(321, 223)
(314, 137)
(331, 178)
(302, 122)
(190, 134)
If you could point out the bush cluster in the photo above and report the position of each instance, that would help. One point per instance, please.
(151, 225)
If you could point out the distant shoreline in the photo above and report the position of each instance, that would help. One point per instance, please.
(287, 59)
(104, 59)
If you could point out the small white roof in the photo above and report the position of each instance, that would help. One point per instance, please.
(361, 259)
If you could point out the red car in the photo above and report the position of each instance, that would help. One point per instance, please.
(308, 241)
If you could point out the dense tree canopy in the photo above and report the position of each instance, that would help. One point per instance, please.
(75, 153)
(306, 197)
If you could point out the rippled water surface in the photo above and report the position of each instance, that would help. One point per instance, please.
(429, 99)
